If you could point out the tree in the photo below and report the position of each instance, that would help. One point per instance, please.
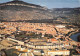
(15, 0)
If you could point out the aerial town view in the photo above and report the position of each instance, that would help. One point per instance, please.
(39, 28)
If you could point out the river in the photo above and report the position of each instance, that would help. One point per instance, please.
(74, 37)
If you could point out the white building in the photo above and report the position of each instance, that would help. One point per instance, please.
(60, 26)
(63, 52)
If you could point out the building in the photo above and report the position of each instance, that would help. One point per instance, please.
(53, 40)
(58, 52)
(60, 26)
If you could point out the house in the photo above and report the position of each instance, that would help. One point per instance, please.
(23, 49)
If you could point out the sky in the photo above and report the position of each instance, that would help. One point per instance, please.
(52, 3)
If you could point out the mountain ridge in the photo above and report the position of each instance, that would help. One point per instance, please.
(19, 10)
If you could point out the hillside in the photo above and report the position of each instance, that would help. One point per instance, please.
(19, 10)
(70, 15)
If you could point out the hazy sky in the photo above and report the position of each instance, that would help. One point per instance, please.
(52, 3)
